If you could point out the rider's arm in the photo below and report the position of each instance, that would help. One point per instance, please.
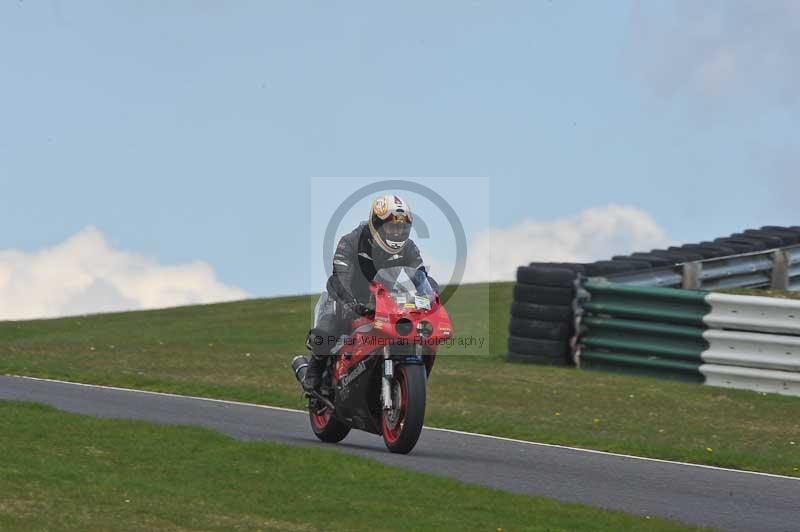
(414, 260)
(345, 264)
(412, 257)
(432, 281)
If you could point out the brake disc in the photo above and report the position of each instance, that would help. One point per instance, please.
(393, 415)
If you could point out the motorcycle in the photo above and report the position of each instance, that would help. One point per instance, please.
(376, 378)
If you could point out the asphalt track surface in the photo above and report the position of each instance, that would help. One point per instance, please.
(700, 495)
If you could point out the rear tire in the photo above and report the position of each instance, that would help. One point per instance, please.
(401, 434)
(327, 428)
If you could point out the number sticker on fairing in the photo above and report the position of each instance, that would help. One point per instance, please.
(422, 302)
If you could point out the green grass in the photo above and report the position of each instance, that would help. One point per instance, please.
(242, 351)
(67, 472)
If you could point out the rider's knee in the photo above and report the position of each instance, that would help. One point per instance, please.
(320, 341)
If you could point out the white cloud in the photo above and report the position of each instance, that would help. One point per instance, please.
(593, 234)
(84, 274)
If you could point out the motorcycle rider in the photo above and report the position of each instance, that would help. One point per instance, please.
(380, 242)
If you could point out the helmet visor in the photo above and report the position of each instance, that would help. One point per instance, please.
(395, 233)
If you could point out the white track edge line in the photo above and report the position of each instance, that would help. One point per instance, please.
(619, 455)
(164, 394)
(453, 431)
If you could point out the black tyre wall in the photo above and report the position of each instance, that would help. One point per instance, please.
(542, 316)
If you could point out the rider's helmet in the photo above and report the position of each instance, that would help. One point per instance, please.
(390, 222)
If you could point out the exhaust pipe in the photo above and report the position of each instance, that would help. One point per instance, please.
(300, 366)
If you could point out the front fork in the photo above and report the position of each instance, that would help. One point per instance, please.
(386, 381)
(388, 376)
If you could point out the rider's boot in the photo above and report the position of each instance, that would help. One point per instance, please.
(316, 362)
(316, 365)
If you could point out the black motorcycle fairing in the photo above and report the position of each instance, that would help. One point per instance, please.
(359, 390)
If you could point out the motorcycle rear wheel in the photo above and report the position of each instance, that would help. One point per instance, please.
(327, 428)
(403, 425)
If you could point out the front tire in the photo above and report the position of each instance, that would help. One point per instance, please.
(403, 424)
(327, 428)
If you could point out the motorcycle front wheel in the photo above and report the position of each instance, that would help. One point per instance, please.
(402, 424)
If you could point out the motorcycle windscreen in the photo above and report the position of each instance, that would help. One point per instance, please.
(406, 285)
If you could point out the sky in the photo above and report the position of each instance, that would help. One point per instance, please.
(166, 153)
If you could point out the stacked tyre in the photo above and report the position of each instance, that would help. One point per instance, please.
(542, 318)
(542, 314)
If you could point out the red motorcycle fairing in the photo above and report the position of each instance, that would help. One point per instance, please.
(371, 334)
(357, 369)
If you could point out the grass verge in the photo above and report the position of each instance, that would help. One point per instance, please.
(68, 472)
(242, 350)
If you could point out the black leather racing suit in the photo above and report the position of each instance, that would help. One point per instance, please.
(355, 263)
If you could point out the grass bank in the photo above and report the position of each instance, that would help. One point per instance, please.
(241, 351)
(67, 472)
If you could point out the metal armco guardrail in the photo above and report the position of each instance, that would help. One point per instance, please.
(765, 351)
(749, 313)
(777, 268)
(733, 341)
(543, 326)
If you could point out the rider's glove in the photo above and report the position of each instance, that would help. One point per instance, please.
(365, 310)
(359, 309)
